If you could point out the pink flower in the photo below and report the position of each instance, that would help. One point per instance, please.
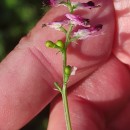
(85, 33)
(89, 5)
(77, 20)
(74, 19)
(56, 25)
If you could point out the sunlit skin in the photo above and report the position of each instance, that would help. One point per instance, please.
(99, 93)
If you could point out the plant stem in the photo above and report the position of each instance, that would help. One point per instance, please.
(64, 88)
(66, 108)
(68, 39)
(64, 94)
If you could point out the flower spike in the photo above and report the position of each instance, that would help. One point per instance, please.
(74, 27)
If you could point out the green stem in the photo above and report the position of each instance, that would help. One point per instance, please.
(68, 39)
(64, 89)
(64, 62)
(64, 94)
(63, 29)
(66, 108)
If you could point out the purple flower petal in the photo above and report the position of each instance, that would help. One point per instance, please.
(77, 20)
(96, 28)
(85, 33)
(89, 5)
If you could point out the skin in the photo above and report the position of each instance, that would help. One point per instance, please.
(100, 98)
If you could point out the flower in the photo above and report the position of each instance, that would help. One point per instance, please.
(77, 20)
(56, 25)
(89, 5)
(81, 34)
(96, 28)
(85, 33)
(74, 19)
(71, 6)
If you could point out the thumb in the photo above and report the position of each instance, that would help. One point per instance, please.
(122, 46)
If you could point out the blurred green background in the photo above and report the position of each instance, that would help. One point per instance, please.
(16, 19)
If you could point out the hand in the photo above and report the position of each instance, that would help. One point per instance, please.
(100, 97)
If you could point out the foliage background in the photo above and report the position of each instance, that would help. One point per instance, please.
(16, 19)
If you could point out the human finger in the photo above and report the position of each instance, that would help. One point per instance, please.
(122, 40)
(95, 101)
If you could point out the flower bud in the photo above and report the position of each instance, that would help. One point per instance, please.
(68, 70)
(50, 44)
(60, 44)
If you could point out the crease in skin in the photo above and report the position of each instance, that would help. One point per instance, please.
(46, 63)
(29, 43)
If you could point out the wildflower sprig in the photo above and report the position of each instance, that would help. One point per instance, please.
(71, 21)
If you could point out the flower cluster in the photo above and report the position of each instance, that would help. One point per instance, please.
(72, 21)
(75, 27)
(75, 19)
